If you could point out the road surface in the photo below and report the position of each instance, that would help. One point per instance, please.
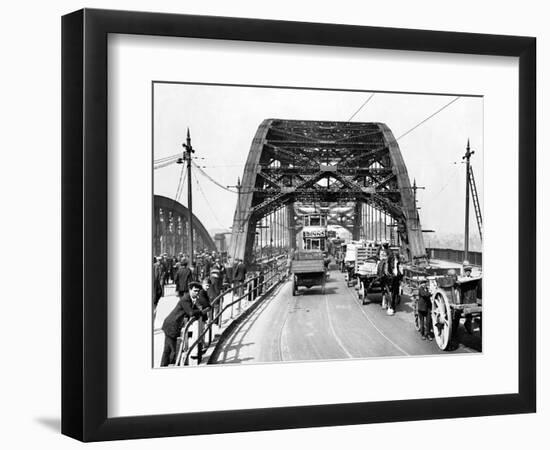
(334, 325)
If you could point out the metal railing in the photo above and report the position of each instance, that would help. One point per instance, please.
(449, 254)
(250, 289)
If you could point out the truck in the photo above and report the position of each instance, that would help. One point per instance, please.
(308, 270)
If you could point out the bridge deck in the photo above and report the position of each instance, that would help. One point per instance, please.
(313, 326)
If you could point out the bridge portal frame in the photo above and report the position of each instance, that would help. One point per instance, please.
(289, 161)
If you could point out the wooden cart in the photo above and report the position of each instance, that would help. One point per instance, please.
(454, 298)
(367, 278)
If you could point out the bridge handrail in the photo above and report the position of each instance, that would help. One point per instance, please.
(450, 254)
(213, 319)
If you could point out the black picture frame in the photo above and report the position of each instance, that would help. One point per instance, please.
(84, 224)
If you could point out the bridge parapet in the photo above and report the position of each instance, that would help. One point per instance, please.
(456, 256)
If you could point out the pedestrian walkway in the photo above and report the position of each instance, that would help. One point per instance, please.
(169, 301)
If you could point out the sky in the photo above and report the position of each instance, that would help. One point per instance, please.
(223, 120)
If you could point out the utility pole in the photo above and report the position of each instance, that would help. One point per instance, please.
(239, 229)
(416, 208)
(467, 157)
(239, 187)
(187, 157)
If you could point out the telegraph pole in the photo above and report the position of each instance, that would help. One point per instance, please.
(467, 157)
(238, 186)
(187, 158)
(239, 222)
(416, 208)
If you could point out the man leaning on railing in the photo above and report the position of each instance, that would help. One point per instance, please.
(175, 321)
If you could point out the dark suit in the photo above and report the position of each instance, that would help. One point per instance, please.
(203, 303)
(182, 279)
(157, 283)
(172, 325)
(239, 272)
(424, 308)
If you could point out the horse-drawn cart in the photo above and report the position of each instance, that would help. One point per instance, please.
(367, 278)
(357, 255)
(453, 297)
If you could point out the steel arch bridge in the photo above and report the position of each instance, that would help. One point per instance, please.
(353, 170)
(171, 229)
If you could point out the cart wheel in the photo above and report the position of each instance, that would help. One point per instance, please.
(442, 319)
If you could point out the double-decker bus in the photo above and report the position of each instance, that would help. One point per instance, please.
(314, 232)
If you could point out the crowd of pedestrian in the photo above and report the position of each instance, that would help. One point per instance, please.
(197, 285)
(180, 270)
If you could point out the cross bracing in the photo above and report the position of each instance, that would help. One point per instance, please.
(320, 162)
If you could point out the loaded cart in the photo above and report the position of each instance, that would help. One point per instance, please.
(308, 270)
(455, 297)
(349, 263)
(452, 297)
(367, 278)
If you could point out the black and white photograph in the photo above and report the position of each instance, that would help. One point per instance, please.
(302, 224)
(270, 225)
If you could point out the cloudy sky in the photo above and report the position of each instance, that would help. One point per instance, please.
(223, 120)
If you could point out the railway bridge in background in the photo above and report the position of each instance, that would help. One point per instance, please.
(171, 228)
(352, 172)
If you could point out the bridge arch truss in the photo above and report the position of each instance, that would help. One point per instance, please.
(293, 164)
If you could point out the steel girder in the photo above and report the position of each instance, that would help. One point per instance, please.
(325, 162)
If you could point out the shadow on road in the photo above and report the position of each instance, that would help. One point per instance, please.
(235, 341)
(316, 291)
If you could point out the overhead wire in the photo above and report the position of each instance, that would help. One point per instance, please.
(212, 179)
(179, 189)
(450, 178)
(428, 118)
(163, 159)
(182, 186)
(361, 107)
(206, 200)
(165, 164)
(169, 160)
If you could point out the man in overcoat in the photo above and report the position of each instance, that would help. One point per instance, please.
(182, 278)
(424, 309)
(175, 321)
(239, 275)
(157, 283)
(395, 274)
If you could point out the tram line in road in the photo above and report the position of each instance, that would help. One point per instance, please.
(349, 355)
(356, 301)
(313, 326)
